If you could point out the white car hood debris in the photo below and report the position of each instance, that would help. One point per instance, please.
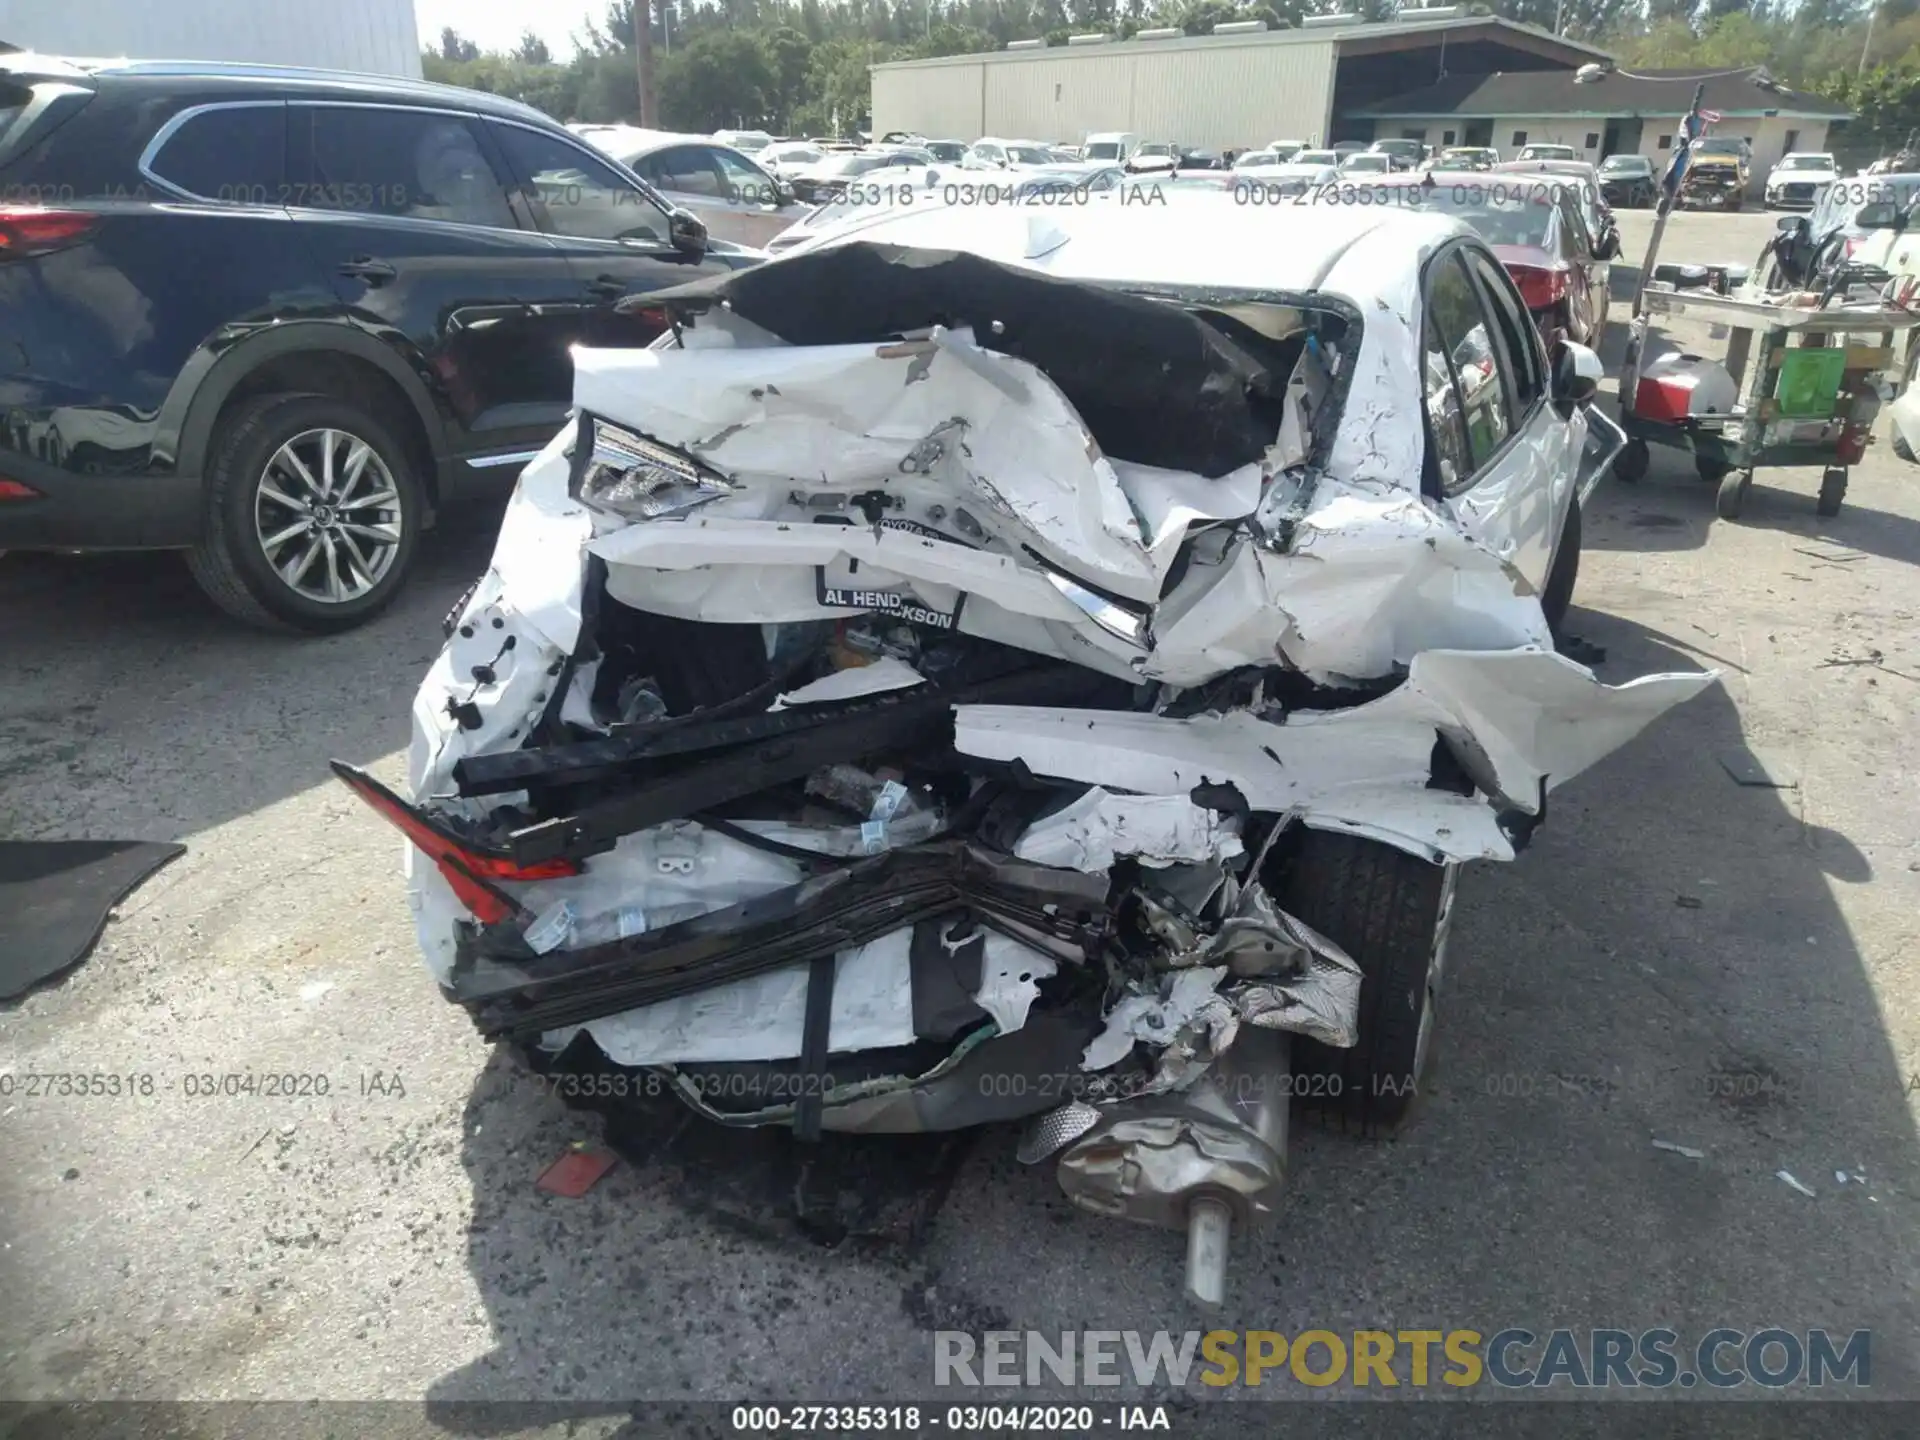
(1004, 520)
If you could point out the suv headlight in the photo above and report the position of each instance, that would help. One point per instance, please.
(634, 478)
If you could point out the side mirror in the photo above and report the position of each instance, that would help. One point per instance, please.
(1789, 222)
(1577, 373)
(1608, 247)
(687, 234)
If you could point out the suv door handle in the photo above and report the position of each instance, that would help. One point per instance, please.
(607, 287)
(365, 267)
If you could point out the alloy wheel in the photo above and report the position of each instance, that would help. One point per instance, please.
(327, 516)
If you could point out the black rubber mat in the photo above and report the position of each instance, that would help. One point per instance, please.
(54, 899)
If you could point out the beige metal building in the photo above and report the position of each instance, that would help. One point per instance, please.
(1211, 91)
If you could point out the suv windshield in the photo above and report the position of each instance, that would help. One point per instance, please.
(1104, 150)
(1806, 162)
(1718, 147)
(1627, 165)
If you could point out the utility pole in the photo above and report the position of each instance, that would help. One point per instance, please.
(643, 58)
(1867, 49)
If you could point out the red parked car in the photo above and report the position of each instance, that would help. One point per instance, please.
(1536, 223)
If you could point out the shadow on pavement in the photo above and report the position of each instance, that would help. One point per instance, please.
(133, 698)
(1667, 961)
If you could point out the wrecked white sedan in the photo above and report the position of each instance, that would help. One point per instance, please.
(1024, 664)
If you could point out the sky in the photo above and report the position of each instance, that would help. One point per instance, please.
(498, 24)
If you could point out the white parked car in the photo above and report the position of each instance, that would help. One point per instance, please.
(748, 142)
(1266, 183)
(786, 155)
(851, 730)
(1796, 182)
(737, 199)
(882, 166)
(1327, 158)
(995, 154)
(1547, 152)
(1368, 162)
(1153, 157)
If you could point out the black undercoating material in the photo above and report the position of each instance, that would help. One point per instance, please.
(815, 1045)
(55, 896)
(946, 977)
(511, 992)
(815, 736)
(757, 1182)
(1155, 384)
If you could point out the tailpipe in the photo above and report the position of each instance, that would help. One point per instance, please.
(1205, 1160)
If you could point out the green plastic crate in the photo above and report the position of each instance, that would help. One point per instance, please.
(1809, 385)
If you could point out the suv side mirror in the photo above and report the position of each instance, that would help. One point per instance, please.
(1576, 375)
(1608, 247)
(687, 234)
(1789, 222)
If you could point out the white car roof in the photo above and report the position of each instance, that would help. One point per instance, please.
(637, 142)
(1206, 240)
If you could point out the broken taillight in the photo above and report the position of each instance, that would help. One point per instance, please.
(1540, 286)
(30, 230)
(470, 869)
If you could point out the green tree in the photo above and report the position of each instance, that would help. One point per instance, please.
(455, 46)
(532, 50)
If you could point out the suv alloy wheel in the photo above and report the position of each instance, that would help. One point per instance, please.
(313, 515)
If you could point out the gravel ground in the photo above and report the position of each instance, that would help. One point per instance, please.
(1676, 957)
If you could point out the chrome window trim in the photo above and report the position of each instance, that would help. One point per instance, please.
(178, 122)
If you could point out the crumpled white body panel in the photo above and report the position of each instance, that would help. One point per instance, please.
(1375, 581)
(1514, 719)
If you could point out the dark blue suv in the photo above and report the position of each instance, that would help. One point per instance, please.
(279, 318)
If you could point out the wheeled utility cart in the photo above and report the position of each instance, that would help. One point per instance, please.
(1807, 393)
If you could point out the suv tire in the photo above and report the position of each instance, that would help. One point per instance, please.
(1391, 912)
(258, 497)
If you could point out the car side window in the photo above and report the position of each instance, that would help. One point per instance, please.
(1458, 333)
(237, 156)
(686, 170)
(1518, 339)
(1451, 462)
(411, 164)
(583, 197)
(747, 183)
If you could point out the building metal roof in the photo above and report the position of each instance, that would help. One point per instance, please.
(1356, 36)
(1657, 94)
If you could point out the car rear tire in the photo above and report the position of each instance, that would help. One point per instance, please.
(1391, 912)
(1557, 595)
(313, 515)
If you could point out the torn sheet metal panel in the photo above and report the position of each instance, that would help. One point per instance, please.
(1514, 719)
(1157, 829)
(993, 431)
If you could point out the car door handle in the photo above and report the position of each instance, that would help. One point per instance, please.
(365, 267)
(607, 287)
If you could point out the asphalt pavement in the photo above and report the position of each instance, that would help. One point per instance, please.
(1676, 958)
